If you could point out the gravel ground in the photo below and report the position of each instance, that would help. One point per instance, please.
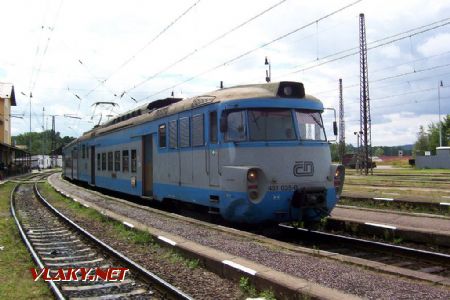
(197, 282)
(348, 278)
(384, 217)
(33, 214)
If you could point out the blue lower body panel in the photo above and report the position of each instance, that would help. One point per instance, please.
(236, 207)
(119, 185)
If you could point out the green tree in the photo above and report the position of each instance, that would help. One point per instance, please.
(334, 148)
(41, 141)
(429, 141)
(423, 143)
(378, 151)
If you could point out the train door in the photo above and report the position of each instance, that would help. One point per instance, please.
(147, 170)
(92, 165)
(213, 150)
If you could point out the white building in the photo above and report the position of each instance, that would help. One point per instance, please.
(45, 162)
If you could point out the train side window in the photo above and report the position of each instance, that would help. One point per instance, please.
(83, 151)
(185, 137)
(236, 126)
(87, 151)
(162, 136)
(98, 161)
(110, 161)
(173, 134)
(103, 161)
(125, 167)
(133, 161)
(198, 135)
(117, 161)
(213, 127)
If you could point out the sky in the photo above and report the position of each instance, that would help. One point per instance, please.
(70, 55)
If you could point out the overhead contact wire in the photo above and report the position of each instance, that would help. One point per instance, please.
(255, 49)
(146, 45)
(206, 45)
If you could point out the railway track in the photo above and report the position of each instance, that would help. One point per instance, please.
(416, 260)
(32, 177)
(55, 242)
(404, 261)
(438, 208)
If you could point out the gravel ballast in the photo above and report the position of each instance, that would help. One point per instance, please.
(195, 281)
(330, 273)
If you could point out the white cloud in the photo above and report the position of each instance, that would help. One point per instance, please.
(436, 44)
(391, 51)
(104, 34)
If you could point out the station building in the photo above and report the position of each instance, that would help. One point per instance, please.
(13, 160)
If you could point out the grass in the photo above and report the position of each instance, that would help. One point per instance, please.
(405, 171)
(424, 185)
(16, 281)
(250, 291)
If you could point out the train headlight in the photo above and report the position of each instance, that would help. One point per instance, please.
(337, 173)
(253, 185)
(252, 176)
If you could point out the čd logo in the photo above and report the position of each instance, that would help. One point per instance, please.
(303, 168)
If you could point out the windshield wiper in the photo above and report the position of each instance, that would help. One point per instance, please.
(316, 120)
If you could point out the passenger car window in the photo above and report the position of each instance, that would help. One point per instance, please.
(125, 167)
(110, 161)
(117, 161)
(98, 161)
(198, 135)
(185, 136)
(133, 161)
(103, 161)
(162, 135)
(236, 126)
(173, 134)
(213, 127)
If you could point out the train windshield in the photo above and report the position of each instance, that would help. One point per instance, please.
(310, 125)
(270, 125)
(273, 124)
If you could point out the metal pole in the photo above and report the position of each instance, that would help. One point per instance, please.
(341, 124)
(439, 104)
(357, 152)
(29, 140)
(268, 74)
(43, 131)
(365, 120)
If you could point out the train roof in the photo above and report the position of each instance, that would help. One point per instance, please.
(169, 106)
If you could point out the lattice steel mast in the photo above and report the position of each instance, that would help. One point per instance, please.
(54, 156)
(365, 122)
(341, 123)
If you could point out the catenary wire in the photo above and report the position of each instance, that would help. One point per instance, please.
(254, 49)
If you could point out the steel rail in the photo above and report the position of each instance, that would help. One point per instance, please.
(402, 250)
(56, 291)
(164, 287)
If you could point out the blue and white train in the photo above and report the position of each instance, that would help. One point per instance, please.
(251, 153)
